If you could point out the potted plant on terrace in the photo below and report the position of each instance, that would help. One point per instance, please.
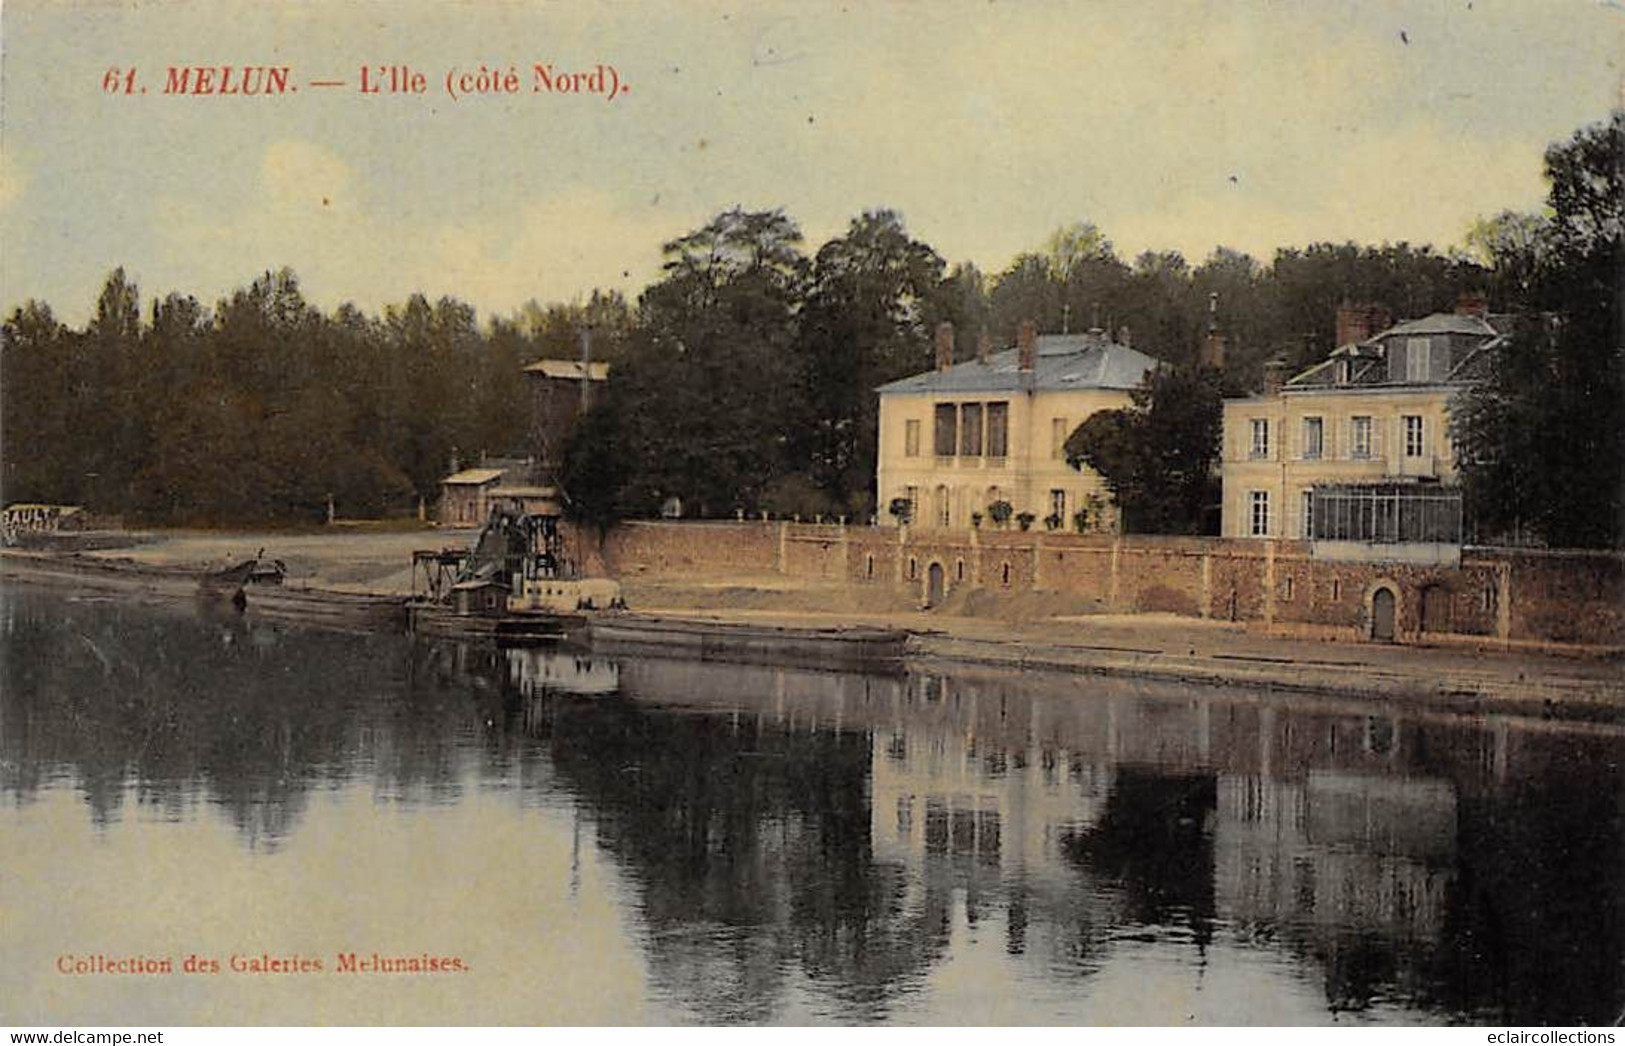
(1000, 512)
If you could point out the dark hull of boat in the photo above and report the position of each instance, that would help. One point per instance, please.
(323, 606)
(501, 629)
(843, 648)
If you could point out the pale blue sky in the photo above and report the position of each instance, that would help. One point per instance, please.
(986, 124)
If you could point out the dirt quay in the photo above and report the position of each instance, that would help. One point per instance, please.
(1037, 633)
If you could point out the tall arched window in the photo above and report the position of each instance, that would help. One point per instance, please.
(944, 507)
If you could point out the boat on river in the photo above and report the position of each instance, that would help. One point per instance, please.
(504, 629)
(326, 606)
(515, 586)
(232, 582)
(707, 639)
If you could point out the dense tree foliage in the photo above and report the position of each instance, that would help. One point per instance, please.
(255, 411)
(1544, 437)
(749, 382)
(704, 401)
(873, 298)
(743, 378)
(1157, 455)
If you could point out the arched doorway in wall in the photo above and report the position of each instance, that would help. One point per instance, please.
(1384, 614)
(935, 585)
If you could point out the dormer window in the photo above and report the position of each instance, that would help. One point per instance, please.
(1418, 357)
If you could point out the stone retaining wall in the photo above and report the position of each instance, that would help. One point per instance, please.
(1505, 596)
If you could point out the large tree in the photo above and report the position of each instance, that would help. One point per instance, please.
(1076, 281)
(1542, 454)
(707, 385)
(874, 296)
(1157, 455)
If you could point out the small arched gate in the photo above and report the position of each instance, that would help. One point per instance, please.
(1383, 612)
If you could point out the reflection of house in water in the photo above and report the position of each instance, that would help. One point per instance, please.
(1336, 850)
(775, 829)
(948, 785)
(850, 826)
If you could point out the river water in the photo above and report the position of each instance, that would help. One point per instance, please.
(462, 835)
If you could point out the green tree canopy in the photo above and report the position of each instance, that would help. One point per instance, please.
(1542, 455)
(707, 388)
(873, 297)
(1156, 457)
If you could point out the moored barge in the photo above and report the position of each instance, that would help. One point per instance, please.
(710, 640)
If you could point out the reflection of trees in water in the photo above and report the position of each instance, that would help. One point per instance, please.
(1535, 928)
(1154, 844)
(1523, 922)
(1349, 840)
(751, 845)
(750, 848)
(187, 707)
(1472, 868)
(747, 817)
(1469, 867)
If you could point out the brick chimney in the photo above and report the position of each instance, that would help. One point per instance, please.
(1275, 375)
(984, 347)
(1358, 322)
(945, 345)
(1027, 344)
(1353, 324)
(1473, 303)
(1211, 354)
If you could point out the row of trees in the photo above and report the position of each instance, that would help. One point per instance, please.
(743, 378)
(262, 408)
(748, 383)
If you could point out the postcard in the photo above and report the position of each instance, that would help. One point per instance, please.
(705, 513)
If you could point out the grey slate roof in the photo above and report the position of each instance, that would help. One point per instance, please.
(1065, 361)
(1367, 360)
(1442, 323)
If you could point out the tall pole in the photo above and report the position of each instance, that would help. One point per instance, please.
(586, 369)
